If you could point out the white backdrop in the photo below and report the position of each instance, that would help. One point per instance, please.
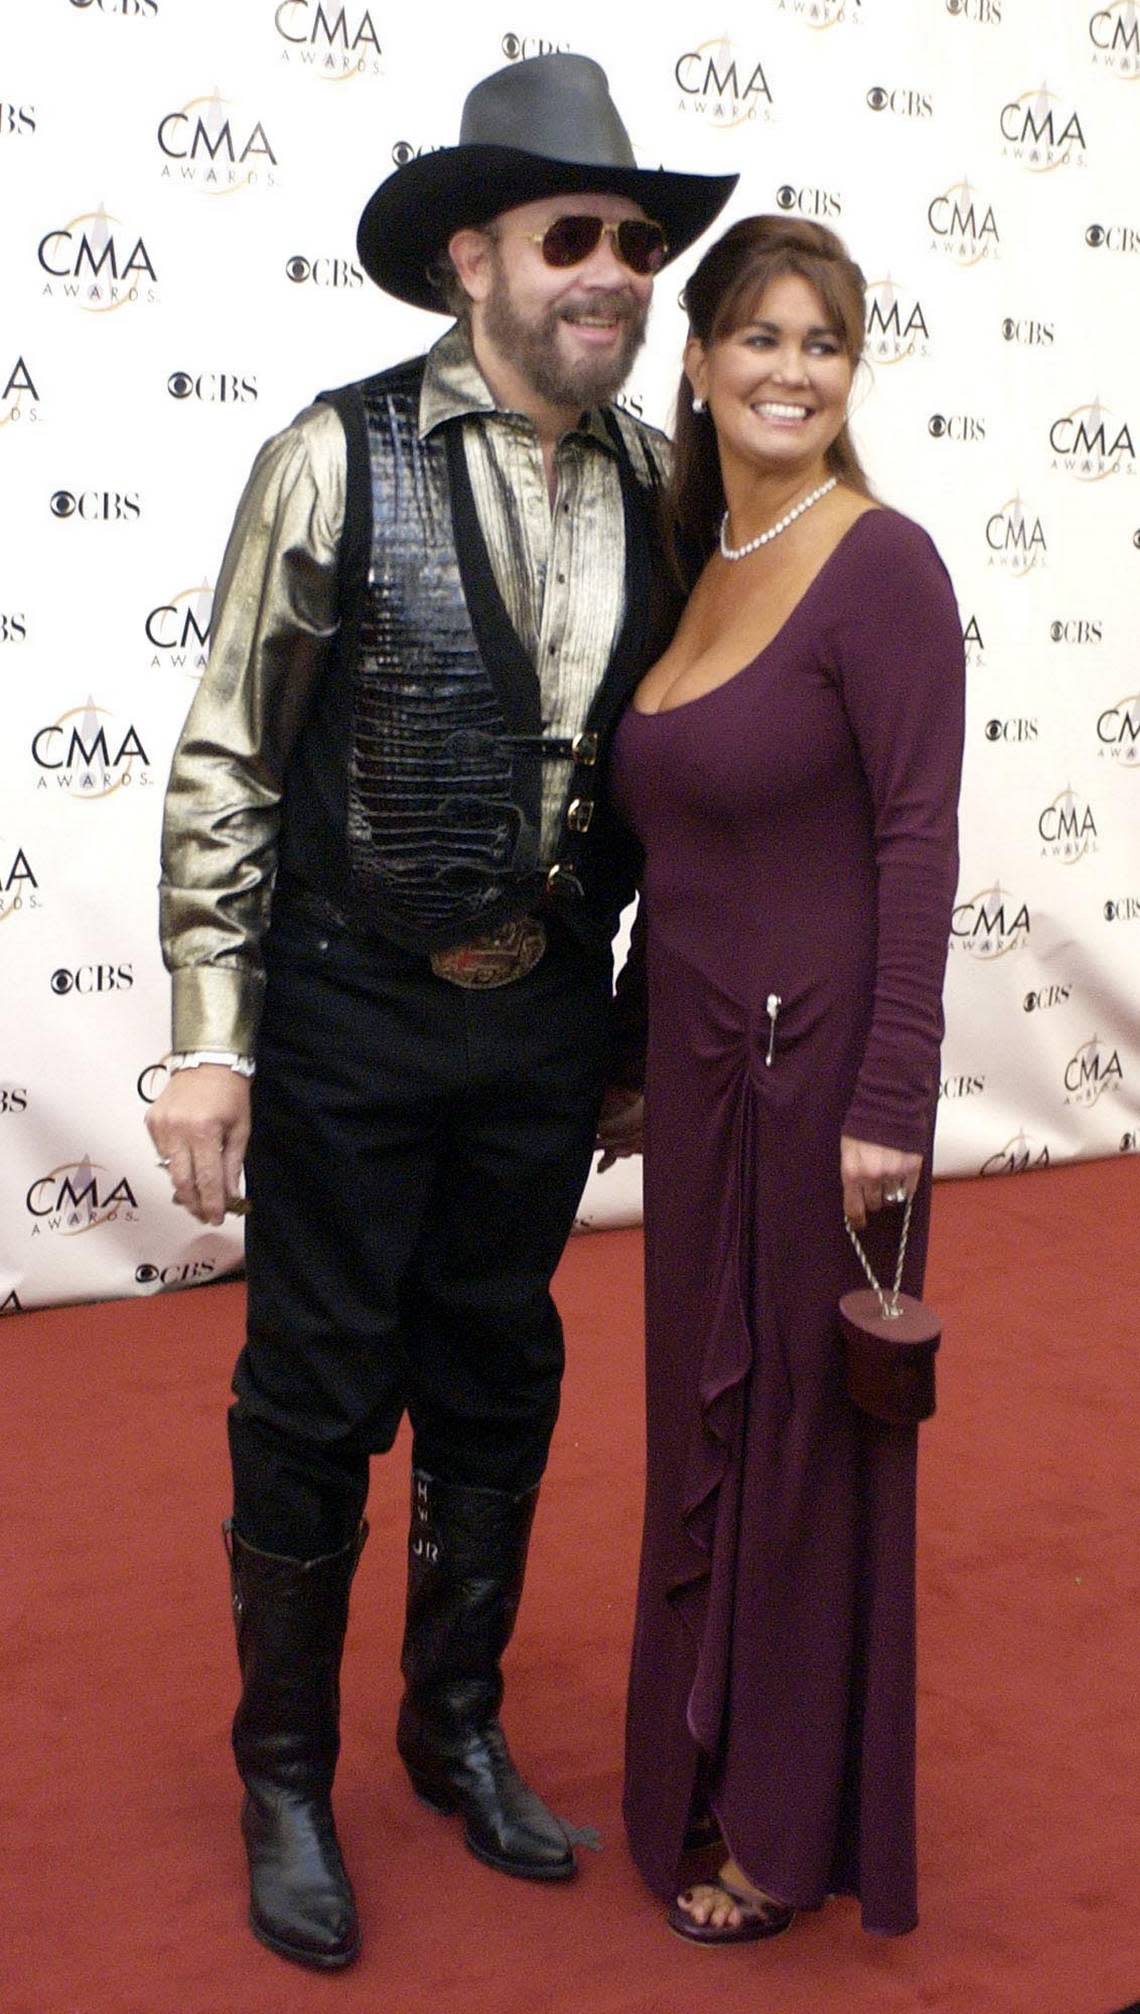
(179, 187)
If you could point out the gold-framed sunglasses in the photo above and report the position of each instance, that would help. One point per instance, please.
(569, 241)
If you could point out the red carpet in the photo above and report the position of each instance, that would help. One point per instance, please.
(121, 1866)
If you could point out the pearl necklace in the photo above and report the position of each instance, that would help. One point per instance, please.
(763, 538)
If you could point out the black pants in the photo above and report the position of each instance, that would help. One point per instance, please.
(417, 1155)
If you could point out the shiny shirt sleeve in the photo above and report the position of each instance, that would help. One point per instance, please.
(275, 611)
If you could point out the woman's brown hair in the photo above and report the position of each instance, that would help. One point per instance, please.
(721, 296)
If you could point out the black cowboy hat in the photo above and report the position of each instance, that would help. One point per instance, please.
(544, 127)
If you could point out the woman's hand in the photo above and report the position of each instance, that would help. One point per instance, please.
(873, 1176)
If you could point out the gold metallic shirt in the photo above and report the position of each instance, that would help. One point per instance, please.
(559, 567)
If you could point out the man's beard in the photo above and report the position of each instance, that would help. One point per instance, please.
(533, 346)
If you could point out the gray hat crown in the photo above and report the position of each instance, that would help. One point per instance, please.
(558, 107)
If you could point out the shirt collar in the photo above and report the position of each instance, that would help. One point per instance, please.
(454, 387)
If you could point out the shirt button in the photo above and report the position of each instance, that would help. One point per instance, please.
(562, 580)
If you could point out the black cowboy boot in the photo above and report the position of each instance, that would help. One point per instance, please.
(466, 1560)
(291, 1617)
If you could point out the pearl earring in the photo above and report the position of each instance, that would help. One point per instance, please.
(698, 404)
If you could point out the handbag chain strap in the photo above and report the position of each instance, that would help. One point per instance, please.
(889, 1304)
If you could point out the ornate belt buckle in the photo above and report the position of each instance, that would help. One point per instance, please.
(495, 957)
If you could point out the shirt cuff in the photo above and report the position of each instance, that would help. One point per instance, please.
(189, 1059)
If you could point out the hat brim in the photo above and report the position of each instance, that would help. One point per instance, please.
(409, 220)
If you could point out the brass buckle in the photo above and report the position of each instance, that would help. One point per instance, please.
(494, 958)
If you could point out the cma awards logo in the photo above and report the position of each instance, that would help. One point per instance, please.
(1067, 829)
(1089, 443)
(83, 753)
(334, 44)
(897, 327)
(1016, 538)
(1114, 32)
(98, 264)
(726, 87)
(79, 1196)
(1041, 132)
(823, 13)
(179, 631)
(1118, 731)
(19, 399)
(1017, 1156)
(973, 644)
(1093, 1070)
(19, 885)
(153, 1079)
(964, 225)
(213, 152)
(989, 924)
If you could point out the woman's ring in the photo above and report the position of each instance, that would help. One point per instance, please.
(165, 1162)
(894, 1195)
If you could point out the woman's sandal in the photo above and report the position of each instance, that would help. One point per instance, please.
(760, 1917)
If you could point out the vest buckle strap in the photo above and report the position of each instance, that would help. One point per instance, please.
(495, 957)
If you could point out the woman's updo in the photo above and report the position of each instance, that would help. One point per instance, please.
(722, 295)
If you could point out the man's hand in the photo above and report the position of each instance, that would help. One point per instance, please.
(873, 1176)
(200, 1126)
(620, 1124)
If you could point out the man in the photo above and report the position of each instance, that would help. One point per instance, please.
(441, 587)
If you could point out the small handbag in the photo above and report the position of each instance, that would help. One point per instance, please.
(889, 1342)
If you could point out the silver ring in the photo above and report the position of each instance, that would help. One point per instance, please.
(165, 1163)
(894, 1195)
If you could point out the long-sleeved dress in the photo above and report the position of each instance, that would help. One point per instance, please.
(799, 823)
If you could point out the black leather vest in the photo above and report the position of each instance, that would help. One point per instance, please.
(438, 703)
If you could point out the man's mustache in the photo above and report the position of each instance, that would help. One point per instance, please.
(622, 305)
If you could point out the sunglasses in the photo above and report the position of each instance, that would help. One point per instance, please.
(569, 241)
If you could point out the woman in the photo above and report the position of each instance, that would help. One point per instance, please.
(791, 765)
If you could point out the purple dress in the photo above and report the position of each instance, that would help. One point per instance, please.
(799, 823)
